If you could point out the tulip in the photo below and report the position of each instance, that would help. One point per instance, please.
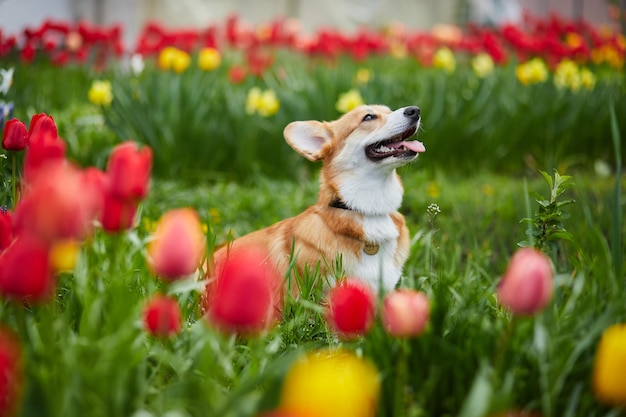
(129, 170)
(609, 369)
(42, 124)
(244, 295)
(162, 316)
(57, 204)
(405, 313)
(100, 93)
(351, 308)
(11, 373)
(331, 383)
(178, 245)
(237, 74)
(44, 145)
(527, 284)
(117, 215)
(209, 59)
(348, 101)
(444, 59)
(6, 228)
(25, 271)
(15, 135)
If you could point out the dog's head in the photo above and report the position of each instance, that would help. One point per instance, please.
(369, 134)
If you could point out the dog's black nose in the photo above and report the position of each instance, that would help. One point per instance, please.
(412, 112)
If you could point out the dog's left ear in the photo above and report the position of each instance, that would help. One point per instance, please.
(307, 138)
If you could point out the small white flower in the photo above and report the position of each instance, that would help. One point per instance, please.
(6, 79)
(136, 64)
(433, 209)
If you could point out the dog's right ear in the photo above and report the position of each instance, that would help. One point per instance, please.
(308, 138)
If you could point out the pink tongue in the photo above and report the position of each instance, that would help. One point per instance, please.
(414, 145)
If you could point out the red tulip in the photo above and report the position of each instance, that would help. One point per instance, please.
(178, 244)
(117, 214)
(351, 308)
(25, 271)
(527, 284)
(15, 135)
(405, 313)
(42, 125)
(57, 204)
(11, 373)
(129, 170)
(162, 317)
(6, 228)
(237, 74)
(245, 293)
(44, 145)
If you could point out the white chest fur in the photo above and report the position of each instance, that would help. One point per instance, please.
(379, 270)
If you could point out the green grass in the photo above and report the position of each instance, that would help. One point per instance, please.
(86, 354)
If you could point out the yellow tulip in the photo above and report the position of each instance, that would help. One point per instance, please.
(609, 371)
(349, 100)
(444, 59)
(482, 64)
(566, 75)
(64, 255)
(532, 72)
(100, 93)
(332, 383)
(209, 59)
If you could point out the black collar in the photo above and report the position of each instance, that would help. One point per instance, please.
(337, 203)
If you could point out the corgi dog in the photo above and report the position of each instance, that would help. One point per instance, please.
(356, 215)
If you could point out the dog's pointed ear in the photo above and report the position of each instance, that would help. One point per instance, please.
(308, 138)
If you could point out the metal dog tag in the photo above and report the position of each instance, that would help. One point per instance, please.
(371, 248)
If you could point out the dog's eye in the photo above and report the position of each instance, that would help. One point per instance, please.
(369, 117)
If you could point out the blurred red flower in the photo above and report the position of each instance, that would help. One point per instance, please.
(178, 244)
(405, 313)
(351, 308)
(11, 373)
(25, 271)
(6, 228)
(527, 285)
(58, 204)
(117, 214)
(245, 294)
(15, 135)
(44, 145)
(129, 168)
(162, 316)
(237, 74)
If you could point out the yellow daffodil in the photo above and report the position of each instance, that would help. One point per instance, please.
(444, 59)
(209, 59)
(349, 100)
(609, 371)
(332, 383)
(100, 93)
(64, 255)
(265, 103)
(482, 64)
(363, 76)
(566, 75)
(532, 72)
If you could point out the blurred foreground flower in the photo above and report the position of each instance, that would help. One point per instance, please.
(348, 101)
(609, 370)
(331, 383)
(444, 59)
(178, 244)
(25, 272)
(44, 145)
(6, 228)
(129, 168)
(405, 313)
(100, 93)
(265, 103)
(162, 316)
(482, 64)
(15, 135)
(245, 294)
(11, 373)
(209, 59)
(532, 72)
(351, 308)
(527, 285)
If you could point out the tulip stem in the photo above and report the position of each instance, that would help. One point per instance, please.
(14, 178)
(503, 343)
(401, 379)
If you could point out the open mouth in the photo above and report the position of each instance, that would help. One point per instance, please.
(396, 146)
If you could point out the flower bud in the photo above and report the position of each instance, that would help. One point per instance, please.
(351, 308)
(405, 313)
(527, 285)
(609, 370)
(162, 317)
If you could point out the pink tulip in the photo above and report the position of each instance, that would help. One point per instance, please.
(405, 313)
(178, 244)
(527, 285)
(351, 308)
